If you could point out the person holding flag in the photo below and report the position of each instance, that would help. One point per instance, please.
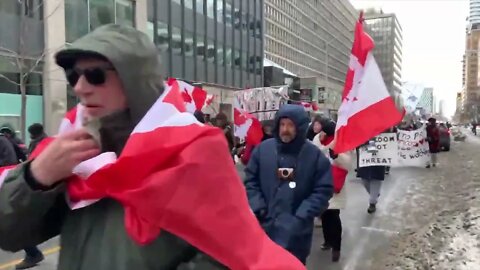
(147, 185)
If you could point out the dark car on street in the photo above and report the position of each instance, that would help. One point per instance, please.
(444, 137)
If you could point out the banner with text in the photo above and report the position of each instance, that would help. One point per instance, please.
(401, 149)
(380, 151)
(413, 148)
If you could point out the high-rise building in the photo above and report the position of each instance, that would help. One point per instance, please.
(471, 73)
(213, 41)
(426, 104)
(441, 108)
(386, 31)
(311, 39)
(474, 17)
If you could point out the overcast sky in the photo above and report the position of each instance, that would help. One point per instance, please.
(433, 42)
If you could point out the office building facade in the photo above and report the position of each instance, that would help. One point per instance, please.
(386, 31)
(213, 41)
(312, 39)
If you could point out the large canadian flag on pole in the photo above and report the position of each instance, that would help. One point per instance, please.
(367, 108)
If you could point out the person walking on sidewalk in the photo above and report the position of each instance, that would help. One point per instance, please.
(289, 182)
(433, 137)
(331, 222)
(372, 179)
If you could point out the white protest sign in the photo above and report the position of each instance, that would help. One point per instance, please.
(413, 148)
(382, 151)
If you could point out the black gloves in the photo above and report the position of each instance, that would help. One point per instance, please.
(332, 154)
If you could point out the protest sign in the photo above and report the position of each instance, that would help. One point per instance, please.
(413, 148)
(381, 151)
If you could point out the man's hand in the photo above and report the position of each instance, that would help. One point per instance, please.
(59, 158)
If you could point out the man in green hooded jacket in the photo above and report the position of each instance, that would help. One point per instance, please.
(115, 73)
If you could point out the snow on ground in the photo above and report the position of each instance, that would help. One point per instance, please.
(442, 224)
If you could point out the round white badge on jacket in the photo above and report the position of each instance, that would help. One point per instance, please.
(292, 185)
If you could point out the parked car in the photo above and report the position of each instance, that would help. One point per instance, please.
(445, 137)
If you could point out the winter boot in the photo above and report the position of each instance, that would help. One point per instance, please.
(372, 208)
(325, 246)
(335, 255)
(30, 261)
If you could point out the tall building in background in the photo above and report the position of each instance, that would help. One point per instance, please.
(474, 17)
(471, 87)
(386, 31)
(441, 108)
(311, 39)
(426, 104)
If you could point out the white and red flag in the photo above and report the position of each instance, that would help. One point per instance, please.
(176, 174)
(195, 98)
(246, 125)
(367, 108)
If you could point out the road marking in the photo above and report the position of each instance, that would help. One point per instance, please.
(46, 252)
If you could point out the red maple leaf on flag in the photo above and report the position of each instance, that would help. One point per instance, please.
(186, 96)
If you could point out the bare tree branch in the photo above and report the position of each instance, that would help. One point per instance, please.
(9, 80)
(34, 66)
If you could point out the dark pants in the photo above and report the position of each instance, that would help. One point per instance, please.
(332, 228)
(32, 252)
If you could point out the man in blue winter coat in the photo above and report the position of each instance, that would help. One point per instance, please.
(289, 182)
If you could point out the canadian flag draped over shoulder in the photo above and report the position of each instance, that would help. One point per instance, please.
(176, 174)
(367, 108)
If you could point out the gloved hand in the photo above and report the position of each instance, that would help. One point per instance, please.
(332, 154)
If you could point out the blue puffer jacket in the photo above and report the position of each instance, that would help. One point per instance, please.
(288, 213)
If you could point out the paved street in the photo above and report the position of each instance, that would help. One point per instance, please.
(366, 238)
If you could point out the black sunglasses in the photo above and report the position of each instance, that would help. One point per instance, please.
(93, 75)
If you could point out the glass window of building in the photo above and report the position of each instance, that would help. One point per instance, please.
(179, 2)
(228, 56)
(228, 13)
(245, 61)
(101, 12)
(220, 10)
(237, 18)
(76, 19)
(211, 51)
(34, 84)
(125, 12)
(10, 7)
(237, 59)
(200, 6)
(220, 56)
(150, 30)
(188, 43)
(211, 9)
(162, 36)
(176, 40)
(6, 83)
(189, 4)
(200, 47)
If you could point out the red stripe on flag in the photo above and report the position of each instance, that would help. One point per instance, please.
(374, 114)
